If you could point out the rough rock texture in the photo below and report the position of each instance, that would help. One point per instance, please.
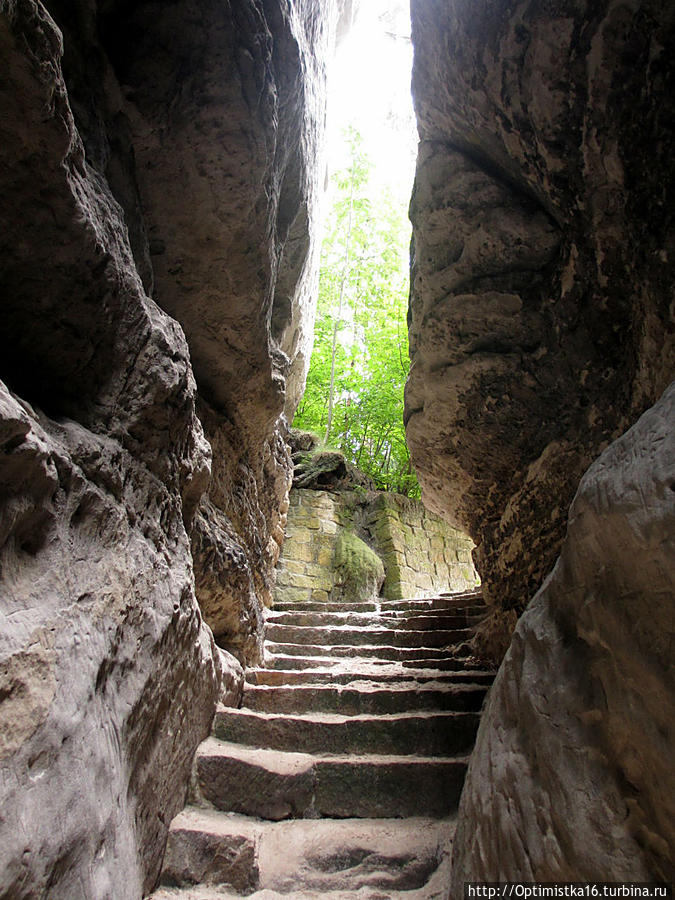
(319, 469)
(572, 775)
(209, 131)
(107, 675)
(147, 150)
(544, 258)
(359, 571)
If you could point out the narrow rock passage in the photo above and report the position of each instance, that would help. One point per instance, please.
(340, 775)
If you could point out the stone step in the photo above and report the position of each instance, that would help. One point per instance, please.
(466, 602)
(274, 785)
(451, 602)
(324, 606)
(436, 620)
(332, 636)
(373, 700)
(363, 674)
(419, 733)
(370, 651)
(207, 892)
(297, 662)
(322, 856)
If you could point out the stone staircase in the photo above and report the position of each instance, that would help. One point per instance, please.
(341, 773)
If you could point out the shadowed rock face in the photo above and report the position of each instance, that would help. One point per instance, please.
(158, 173)
(572, 775)
(108, 677)
(209, 127)
(541, 304)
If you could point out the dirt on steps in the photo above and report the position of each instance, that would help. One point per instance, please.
(341, 773)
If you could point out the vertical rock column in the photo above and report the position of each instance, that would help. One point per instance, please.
(541, 327)
(225, 113)
(107, 674)
(541, 301)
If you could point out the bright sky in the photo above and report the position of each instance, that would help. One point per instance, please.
(369, 88)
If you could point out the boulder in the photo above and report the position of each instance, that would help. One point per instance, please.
(572, 777)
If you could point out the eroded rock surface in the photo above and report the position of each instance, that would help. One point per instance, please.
(572, 775)
(541, 308)
(209, 129)
(155, 160)
(108, 675)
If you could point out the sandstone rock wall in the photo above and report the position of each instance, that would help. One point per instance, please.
(541, 305)
(418, 553)
(572, 776)
(159, 166)
(209, 129)
(541, 328)
(107, 674)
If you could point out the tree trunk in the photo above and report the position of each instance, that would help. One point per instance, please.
(336, 327)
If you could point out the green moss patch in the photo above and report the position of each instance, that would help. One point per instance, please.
(359, 570)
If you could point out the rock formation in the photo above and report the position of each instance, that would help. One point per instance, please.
(572, 775)
(541, 306)
(159, 165)
(541, 328)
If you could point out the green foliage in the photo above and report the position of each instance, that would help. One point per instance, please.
(360, 357)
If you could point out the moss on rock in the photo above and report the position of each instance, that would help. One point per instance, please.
(359, 570)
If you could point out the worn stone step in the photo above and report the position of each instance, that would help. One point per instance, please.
(372, 700)
(273, 784)
(471, 603)
(208, 892)
(383, 673)
(298, 661)
(428, 733)
(433, 605)
(325, 606)
(436, 620)
(450, 601)
(329, 635)
(433, 891)
(370, 651)
(243, 854)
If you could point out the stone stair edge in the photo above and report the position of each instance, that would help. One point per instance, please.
(357, 838)
(214, 747)
(445, 687)
(337, 718)
(193, 817)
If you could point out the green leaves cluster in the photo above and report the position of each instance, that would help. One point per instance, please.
(354, 394)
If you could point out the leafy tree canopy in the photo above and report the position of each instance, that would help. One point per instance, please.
(354, 394)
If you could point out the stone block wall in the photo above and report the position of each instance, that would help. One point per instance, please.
(422, 555)
(305, 569)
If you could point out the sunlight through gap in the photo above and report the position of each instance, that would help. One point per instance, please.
(354, 395)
